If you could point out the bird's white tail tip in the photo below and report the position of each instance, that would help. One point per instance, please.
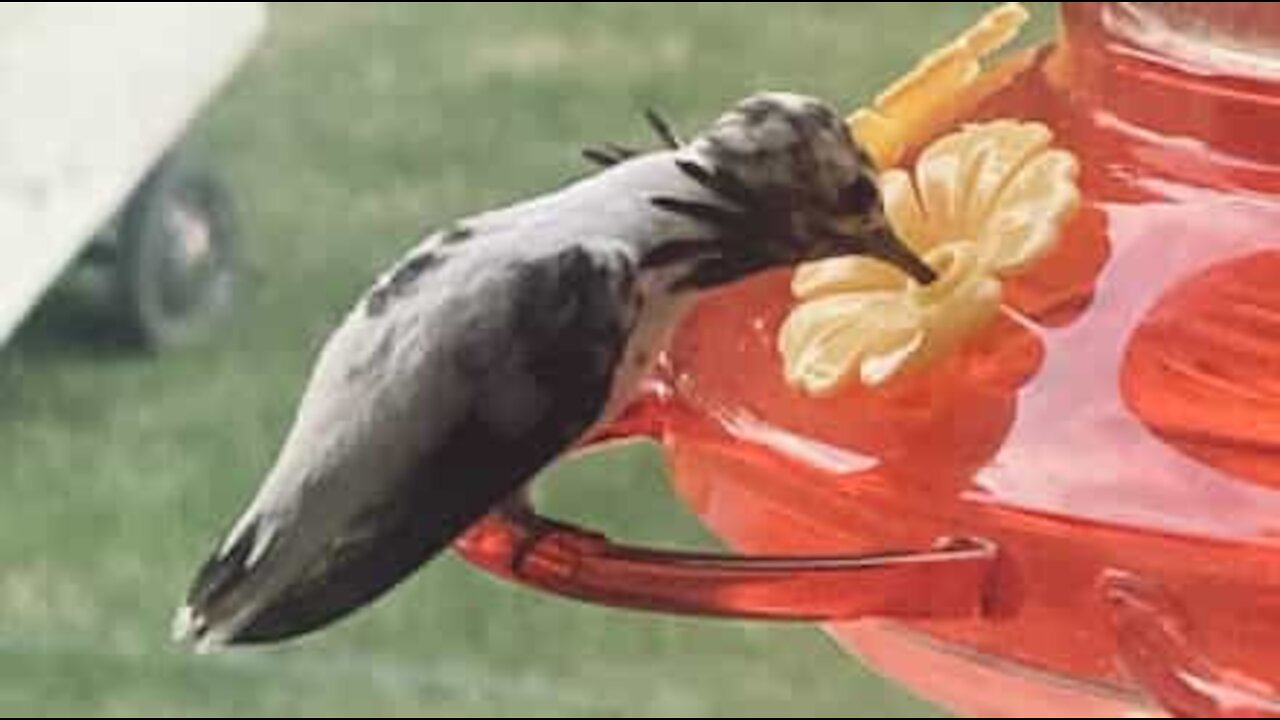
(191, 629)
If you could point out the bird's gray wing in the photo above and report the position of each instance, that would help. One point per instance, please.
(529, 374)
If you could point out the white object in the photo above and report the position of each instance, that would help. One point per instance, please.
(91, 96)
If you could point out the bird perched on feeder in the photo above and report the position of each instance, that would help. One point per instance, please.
(494, 346)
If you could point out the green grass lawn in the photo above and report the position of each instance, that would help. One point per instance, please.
(354, 127)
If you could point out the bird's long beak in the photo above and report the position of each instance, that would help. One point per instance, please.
(887, 246)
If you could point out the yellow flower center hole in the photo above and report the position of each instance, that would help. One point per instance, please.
(955, 264)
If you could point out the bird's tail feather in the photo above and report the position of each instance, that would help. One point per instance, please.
(239, 598)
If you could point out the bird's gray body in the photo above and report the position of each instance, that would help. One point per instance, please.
(451, 329)
(502, 338)
(497, 343)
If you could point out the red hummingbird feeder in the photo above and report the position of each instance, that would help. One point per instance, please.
(1076, 511)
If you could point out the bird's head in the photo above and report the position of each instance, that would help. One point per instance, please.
(793, 186)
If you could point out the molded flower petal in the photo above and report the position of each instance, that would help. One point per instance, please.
(845, 275)
(1031, 211)
(868, 336)
(998, 185)
(941, 88)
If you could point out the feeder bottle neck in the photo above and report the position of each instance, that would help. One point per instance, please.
(1204, 72)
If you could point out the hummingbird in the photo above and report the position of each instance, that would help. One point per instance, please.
(503, 339)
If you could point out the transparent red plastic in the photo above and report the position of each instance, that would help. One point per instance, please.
(1110, 447)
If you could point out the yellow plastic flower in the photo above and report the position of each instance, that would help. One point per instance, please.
(943, 87)
(984, 204)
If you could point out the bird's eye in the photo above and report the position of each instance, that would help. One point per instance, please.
(860, 196)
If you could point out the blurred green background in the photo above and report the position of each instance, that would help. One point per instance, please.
(354, 127)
